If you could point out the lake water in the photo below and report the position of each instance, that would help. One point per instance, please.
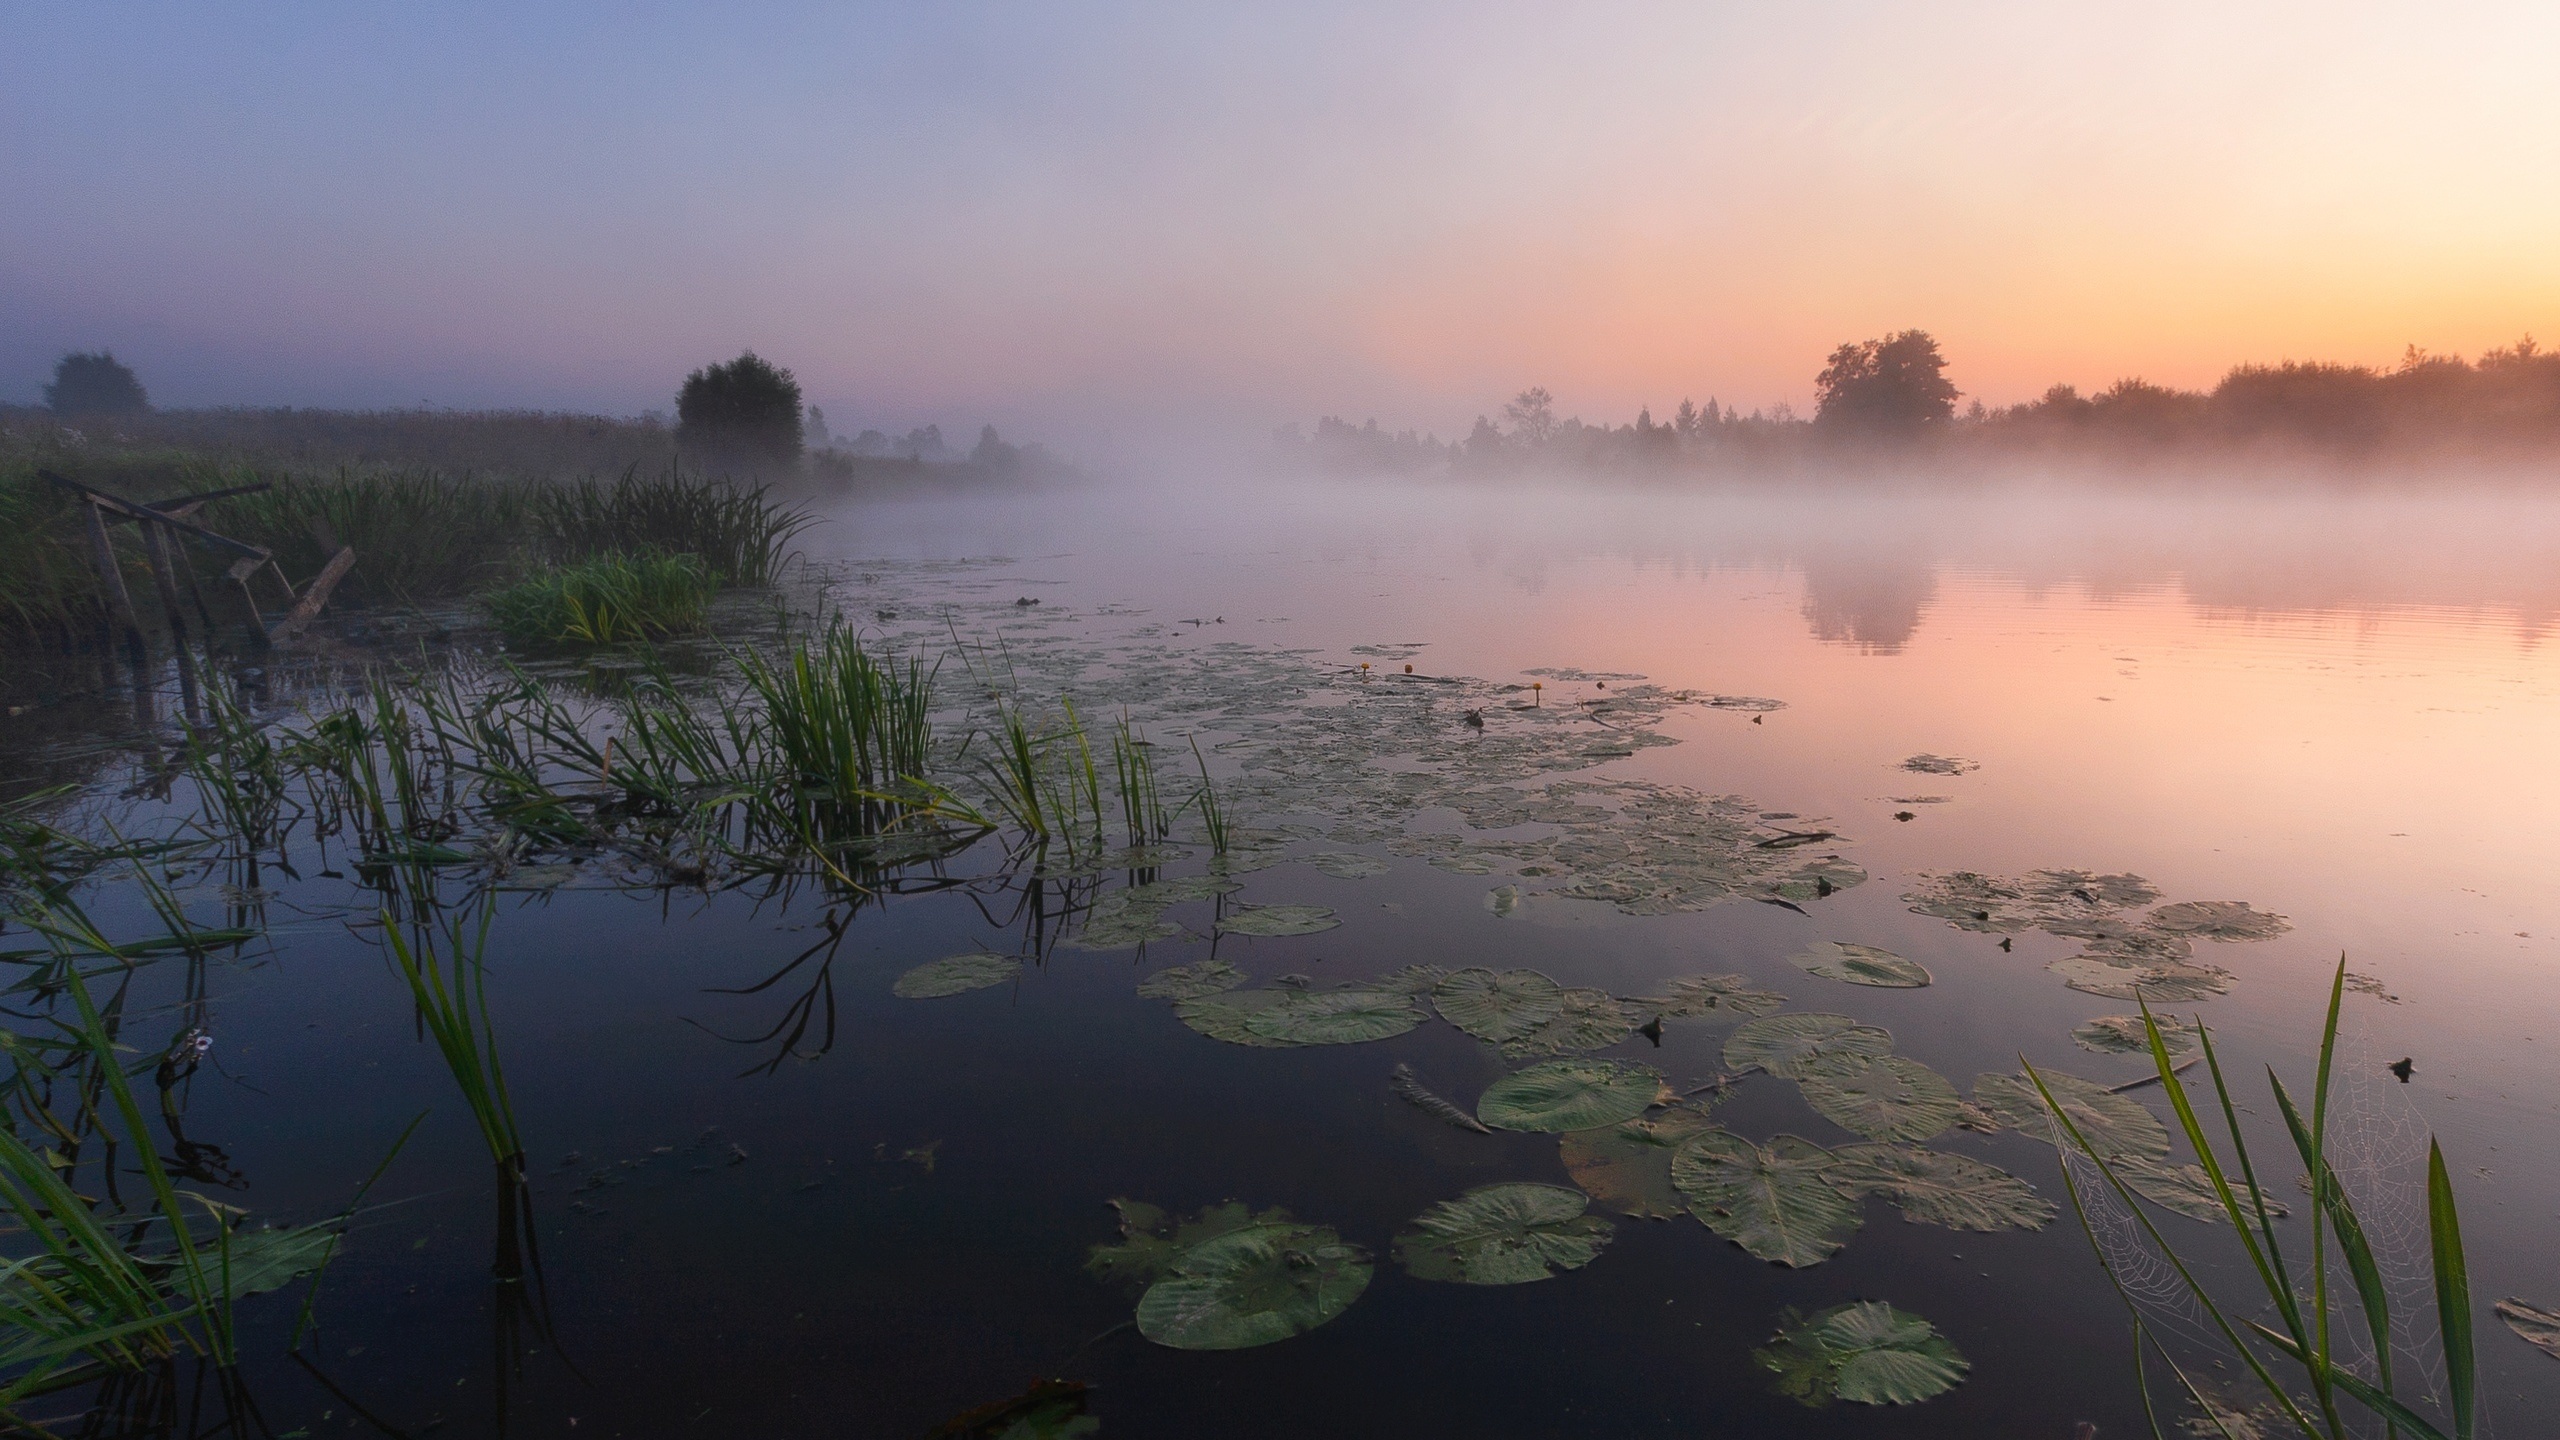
(773, 1198)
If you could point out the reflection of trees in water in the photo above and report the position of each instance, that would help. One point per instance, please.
(1869, 599)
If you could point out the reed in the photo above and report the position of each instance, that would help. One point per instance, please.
(443, 963)
(2309, 1337)
(607, 600)
(1213, 815)
(739, 535)
(1133, 769)
(417, 534)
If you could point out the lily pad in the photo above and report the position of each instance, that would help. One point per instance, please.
(1498, 1004)
(2064, 894)
(1818, 879)
(1335, 1017)
(1182, 982)
(1866, 1352)
(1569, 1095)
(2124, 1035)
(1272, 921)
(1972, 902)
(1506, 1234)
(1627, 1167)
(1411, 979)
(956, 975)
(1348, 864)
(1505, 901)
(2183, 1189)
(1860, 965)
(1151, 1240)
(2217, 920)
(1776, 1201)
(2114, 1124)
(270, 1258)
(2534, 1325)
(2174, 984)
(1941, 1187)
(1226, 1015)
(1123, 930)
(1586, 1020)
(1718, 996)
(1252, 1287)
(1893, 1098)
(1806, 1046)
(1927, 764)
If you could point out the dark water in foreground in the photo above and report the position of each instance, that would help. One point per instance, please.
(2340, 711)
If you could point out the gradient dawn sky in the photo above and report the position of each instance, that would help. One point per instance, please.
(1076, 219)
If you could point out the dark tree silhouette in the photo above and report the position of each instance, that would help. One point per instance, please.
(94, 385)
(746, 412)
(1895, 386)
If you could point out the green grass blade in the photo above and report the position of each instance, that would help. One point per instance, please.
(2453, 1292)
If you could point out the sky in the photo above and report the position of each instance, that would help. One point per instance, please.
(1098, 221)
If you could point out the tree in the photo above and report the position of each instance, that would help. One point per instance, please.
(1532, 414)
(746, 412)
(1895, 386)
(94, 385)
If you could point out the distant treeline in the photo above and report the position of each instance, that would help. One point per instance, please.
(1890, 396)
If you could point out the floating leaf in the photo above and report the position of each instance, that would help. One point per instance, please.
(2061, 894)
(1498, 1004)
(1224, 1016)
(1411, 980)
(1586, 1020)
(1182, 982)
(1252, 1287)
(1272, 921)
(1123, 930)
(1048, 1410)
(1775, 1200)
(1506, 1234)
(1926, 764)
(1336, 1017)
(1627, 1167)
(1717, 996)
(1413, 1092)
(1972, 902)
(2185, 1189)
(1157, 894)
(1348, 864)
(1569, 1095)
(956, 975)
(1797, 1047)
(1818, 879)
(2123, 1035)
(270, 1258)
(1860, 965)
(1893, 1098)
(2115, 1124)
(2217, 920)
(2160, 984)
(2537, 1327)
(1151, 1240)
(1940, 1187)
(1866, 1352)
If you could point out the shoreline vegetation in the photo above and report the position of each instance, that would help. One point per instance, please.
(1886, 402)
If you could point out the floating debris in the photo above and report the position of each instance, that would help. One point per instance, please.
(2534, 1325)
(1412, 1091)
(1507, 1234)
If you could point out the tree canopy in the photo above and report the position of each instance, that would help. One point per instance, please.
(96, 384)
(746, 412)
(1896, 386)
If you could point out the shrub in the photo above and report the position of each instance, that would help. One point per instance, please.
(744, 413)
(94, 385)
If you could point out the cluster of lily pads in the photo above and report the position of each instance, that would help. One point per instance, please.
(2120, 953)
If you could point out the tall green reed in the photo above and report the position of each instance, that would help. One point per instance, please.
(609, 599)
(2308, 1337)
(443, 962)
(739, 535)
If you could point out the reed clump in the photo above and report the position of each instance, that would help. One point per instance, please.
(739, 535)
(610, 599)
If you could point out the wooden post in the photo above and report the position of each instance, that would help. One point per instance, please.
(155, 553)
(314, 595)
(110, 578)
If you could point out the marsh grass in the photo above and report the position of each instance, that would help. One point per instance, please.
(609, 599)
(1213, 815)
(740, 537)
(2308, 1338)
(443, 962)
(1133, 770)
(417, 534)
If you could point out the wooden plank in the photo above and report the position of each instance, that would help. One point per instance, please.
(155, 553)
(110, 576)
(314, 595)
(118, 505)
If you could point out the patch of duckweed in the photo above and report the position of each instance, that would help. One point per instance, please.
(1860, 965)
(956, 975)
(1865, 1352)
(1507, 1234)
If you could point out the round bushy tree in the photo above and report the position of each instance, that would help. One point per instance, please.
(1896, 386)
(744, 413)
(94, 385)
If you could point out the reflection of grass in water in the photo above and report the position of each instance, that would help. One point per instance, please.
(2308, 1337)
(610, 599)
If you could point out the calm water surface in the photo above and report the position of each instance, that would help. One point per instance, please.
(2339, 709)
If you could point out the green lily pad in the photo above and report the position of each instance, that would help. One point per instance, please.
(1972, 902)
(1866, 1352)
(1156, 894)
(1776, 1201)
(1348, 864)
(2124, 1035)
(1226, 1015)
(1818, 879)
(2217, 920)
(1272, 921)
(2174, 984)
(1940, 1187)
(1927, 764)
(1335, 1017)
(1627, 1167)
(1498, 1004)
(271, 1258)
(2064, 894)
(1713, 996)
(1860, 965)
(1411, 980)
(956, 975)
(2533, 1325)
(1893, 1098)
(1123, 930)
(2183, 1189)
(1569, 1095)
(1252, 1287)
(2114, 1124)
(1586, 1020)
(1507, 1234)
(1151, 1240)
(1181, 982)
(1806, 1046)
